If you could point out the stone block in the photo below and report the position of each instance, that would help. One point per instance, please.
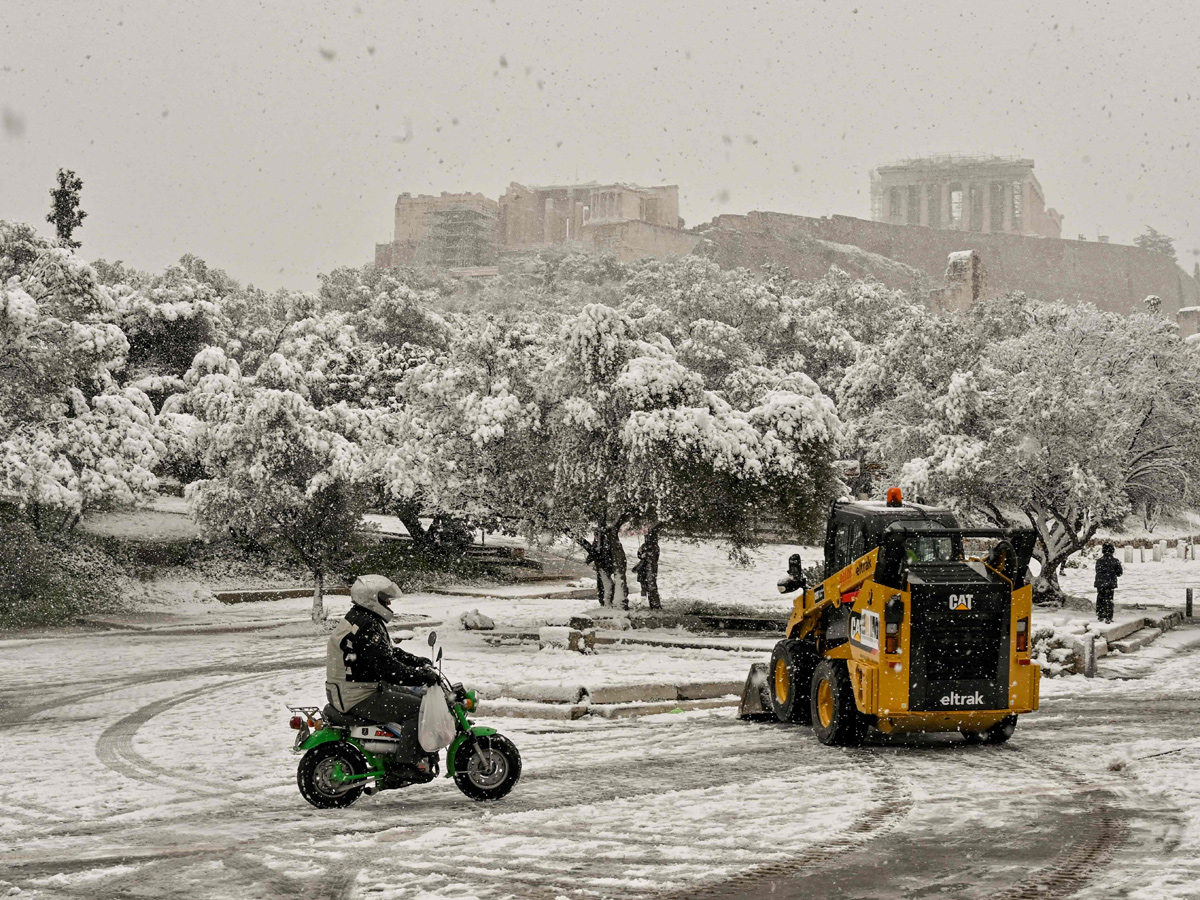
(536, 692)
(631, 710)
(1137, 640)
(633, 693)
(708, 690)
(526, 710)
(1123, 629)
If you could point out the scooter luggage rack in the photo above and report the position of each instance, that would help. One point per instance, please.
(309, 712)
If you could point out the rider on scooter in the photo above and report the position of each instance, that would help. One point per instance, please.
(366, 676)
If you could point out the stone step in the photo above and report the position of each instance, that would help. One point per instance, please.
(1136, 641)
(1123, 629)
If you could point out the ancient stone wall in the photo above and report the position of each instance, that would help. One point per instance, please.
(634, 240)
(1114, 277)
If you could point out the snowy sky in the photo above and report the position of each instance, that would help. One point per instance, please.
(272, 138)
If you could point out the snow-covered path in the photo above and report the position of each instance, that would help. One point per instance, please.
(158, 766)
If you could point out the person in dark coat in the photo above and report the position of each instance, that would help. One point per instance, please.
(1108, 570)
(365, 674)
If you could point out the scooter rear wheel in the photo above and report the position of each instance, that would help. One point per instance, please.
(487, 768)
(314, 776)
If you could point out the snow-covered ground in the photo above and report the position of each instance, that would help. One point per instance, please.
(1152, 585)
(158, 764)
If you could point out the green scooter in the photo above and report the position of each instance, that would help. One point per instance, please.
(346, 756)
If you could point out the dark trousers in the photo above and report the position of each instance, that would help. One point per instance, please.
(1104, 604)
(393, 703)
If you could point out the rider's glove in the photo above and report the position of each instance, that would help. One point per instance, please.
(428, 677)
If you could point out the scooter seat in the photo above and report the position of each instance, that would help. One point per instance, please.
(344, 719)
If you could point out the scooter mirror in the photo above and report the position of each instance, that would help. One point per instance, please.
(439, 656)
(432, 638)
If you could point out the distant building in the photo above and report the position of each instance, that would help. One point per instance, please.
(532, 217)
(989, 194)
(446, 230)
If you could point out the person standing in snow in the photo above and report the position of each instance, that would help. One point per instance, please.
(1108, 570)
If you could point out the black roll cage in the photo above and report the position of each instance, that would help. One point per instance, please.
(1013, 566)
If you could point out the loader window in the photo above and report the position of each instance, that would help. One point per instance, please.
(849, 544)
(921, 549)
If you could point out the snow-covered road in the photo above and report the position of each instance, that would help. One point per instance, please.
(153, 765)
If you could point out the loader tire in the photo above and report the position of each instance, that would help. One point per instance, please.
(835, 716)
(792, 665)
(1001, 731)
(997, 734)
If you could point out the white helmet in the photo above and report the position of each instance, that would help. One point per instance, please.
(376, 593)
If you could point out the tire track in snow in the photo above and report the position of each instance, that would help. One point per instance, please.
(329, 885)
(1104, 832)
(115, 748)
(17, 716)
(607, 860)
(269, 828)
(892, 802)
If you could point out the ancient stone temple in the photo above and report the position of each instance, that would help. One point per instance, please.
(989, 194)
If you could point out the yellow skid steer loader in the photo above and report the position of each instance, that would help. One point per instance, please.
(907, 632)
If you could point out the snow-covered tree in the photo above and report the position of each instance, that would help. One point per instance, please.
(167, 319)
(1061, 415)
(70, 437)
(65, 214)
(630, 436)
(279, 469)
(455, 440)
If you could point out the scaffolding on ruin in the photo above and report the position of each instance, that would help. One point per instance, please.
(457, 238)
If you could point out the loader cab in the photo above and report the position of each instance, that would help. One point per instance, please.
(856, 528)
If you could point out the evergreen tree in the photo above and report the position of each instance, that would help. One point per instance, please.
(1155, 240)
(66, 215)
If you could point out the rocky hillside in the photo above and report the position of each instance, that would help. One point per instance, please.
(804, 256)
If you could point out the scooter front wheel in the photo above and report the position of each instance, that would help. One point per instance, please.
(487, 768)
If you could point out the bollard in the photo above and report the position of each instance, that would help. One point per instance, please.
(1187, 603)
(1156, 553)
(1089, 656)
(1128, 554)
(1142, 551)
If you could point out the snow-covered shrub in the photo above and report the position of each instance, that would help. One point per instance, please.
(49, 580)
(1054, 649)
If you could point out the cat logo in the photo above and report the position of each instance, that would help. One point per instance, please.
(962, 601)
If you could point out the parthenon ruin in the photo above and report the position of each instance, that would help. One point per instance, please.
(988, 194)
